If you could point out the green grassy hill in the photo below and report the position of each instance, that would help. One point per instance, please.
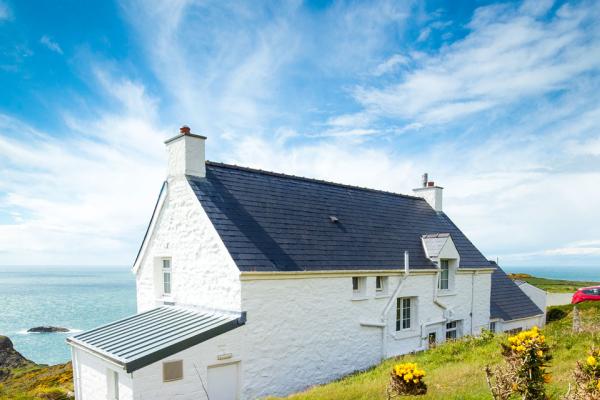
(552, 285)
(456, 370)
(38, 382)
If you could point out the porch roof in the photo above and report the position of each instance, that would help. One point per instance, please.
(137, 341)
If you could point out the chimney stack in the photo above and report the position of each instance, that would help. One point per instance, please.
(186, 154)
(430, 192)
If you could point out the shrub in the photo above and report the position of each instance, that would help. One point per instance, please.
(526, 358)
(587, 378)
(555, 314)
(406, 379)
(52, 393)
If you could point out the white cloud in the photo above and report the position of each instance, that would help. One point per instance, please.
(5, 13)
(51, 44)
(508, 56)
(391, 64)
(84, 197)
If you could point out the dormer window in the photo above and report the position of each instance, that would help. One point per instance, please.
(444, 281)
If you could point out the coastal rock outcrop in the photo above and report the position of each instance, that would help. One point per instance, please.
(47, 329)
(10, 358)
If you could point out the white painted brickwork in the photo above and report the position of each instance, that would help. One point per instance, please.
(203, 272)
(92, 373)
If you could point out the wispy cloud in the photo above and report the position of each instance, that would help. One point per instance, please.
(51, 44)
(5, 13)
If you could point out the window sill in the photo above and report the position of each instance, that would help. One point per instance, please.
(382, 295)
(445, 293)
(359, 298)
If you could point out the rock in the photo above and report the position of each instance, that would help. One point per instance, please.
(47, 329)
(9, 357)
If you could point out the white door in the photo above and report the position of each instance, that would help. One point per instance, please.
(223, 382)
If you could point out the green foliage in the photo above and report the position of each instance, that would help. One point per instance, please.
(555, 314)
(552, 285)
(39, 382)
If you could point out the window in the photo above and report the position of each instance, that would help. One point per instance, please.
(493, 326)
(113, 384)
(444, 275)
(404, 313)
(166, 273)
(172, 371)
(380, 284)
(358, 286)
(513, 331)
(452, 330)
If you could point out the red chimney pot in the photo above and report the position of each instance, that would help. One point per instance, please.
(184, 130)
(430, 184)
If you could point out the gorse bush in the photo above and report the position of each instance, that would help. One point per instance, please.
(526, 359)
(587, 378)
(406, 379)
(555, 314)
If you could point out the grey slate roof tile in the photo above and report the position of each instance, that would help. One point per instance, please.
(507, 300)
(276, 222)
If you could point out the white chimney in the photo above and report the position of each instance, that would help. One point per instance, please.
(430, 192)
(186, 154)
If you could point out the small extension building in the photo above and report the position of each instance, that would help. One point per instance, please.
(253, 283)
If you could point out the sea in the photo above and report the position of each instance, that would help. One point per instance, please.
(81, 298)
(73, 297)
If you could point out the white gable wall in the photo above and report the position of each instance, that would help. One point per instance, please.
(203, 272)
(93, 373)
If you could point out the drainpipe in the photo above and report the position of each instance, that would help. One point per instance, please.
(391, 301)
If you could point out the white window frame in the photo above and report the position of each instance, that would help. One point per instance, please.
(401, 310)
(359, 286)
(166, 270)
(112, 384)
(381, 284)
(444, 269)
(493, 326)
(454, 328)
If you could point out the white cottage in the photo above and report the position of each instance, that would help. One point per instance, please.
(253, 283)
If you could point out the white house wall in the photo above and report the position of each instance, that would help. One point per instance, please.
(537, 295)
(148, 381)
(524, 324)
(93, 372)
(203, 272)
(311, 331)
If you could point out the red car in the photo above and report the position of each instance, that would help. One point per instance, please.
(591, 293)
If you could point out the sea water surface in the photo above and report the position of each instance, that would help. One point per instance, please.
(73, 297)
(579, 273)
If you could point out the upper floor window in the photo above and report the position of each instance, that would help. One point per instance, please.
(404, 313)
(358, 285)
(380, 284)
(443, 283)
(166, 274)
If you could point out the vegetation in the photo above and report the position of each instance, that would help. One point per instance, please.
(456, 370)
(38, 382)
(552, 285)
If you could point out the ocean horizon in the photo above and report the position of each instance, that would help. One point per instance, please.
(83, 297)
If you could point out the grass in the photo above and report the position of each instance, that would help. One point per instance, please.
(53, 382)
(455, 370)
(553, 285)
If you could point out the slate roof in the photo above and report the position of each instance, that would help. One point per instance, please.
(507, 300)
(145, 338)
(276, 222)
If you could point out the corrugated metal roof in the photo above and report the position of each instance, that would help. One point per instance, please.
(276, 222)
(142, 339)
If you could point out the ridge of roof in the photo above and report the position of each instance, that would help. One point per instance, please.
(311, 180)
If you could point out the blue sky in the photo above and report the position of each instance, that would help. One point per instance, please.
(498, 101)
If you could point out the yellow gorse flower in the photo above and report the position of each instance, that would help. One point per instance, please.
(527, 340)
(409, 372)
(591, 361)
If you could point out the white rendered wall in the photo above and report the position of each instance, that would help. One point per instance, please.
(203, 272)
(148, 382)
(308, 331)
(524, 324)
(537, 295)
(92, 377)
